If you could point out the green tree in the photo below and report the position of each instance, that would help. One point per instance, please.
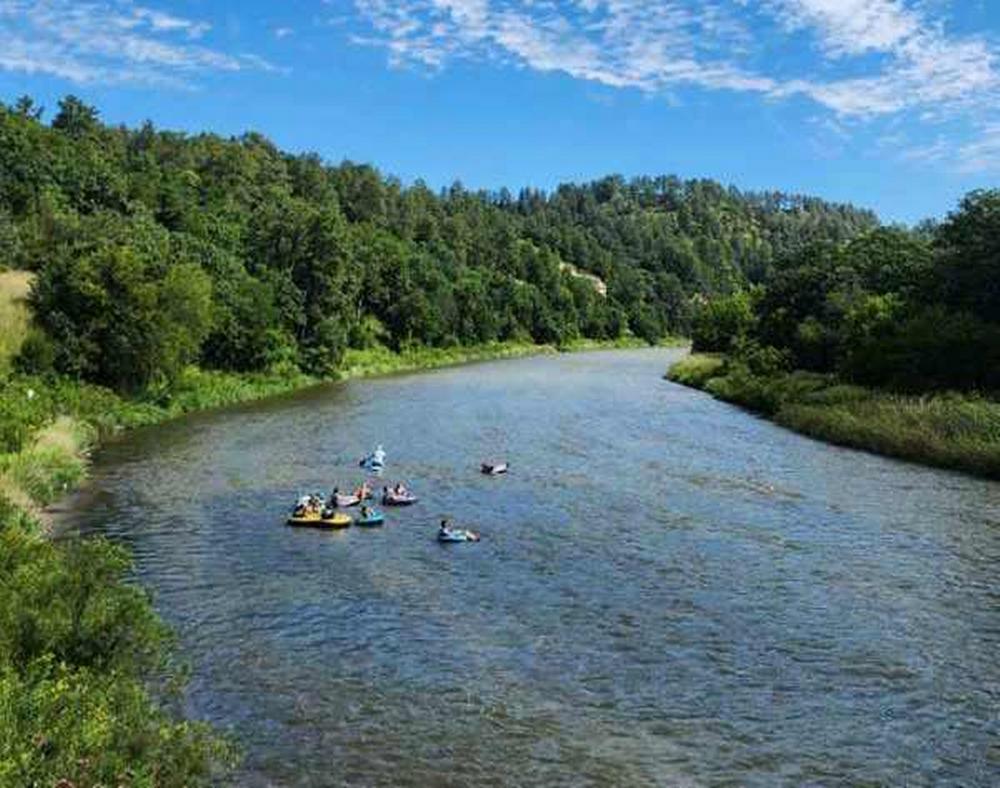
(968, 268)
(721, 321)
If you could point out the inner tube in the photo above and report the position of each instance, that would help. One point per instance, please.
(457, 535)
(372, 520)
(395, 499)
(314, 520)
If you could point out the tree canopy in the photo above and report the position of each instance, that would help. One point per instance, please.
(904, 310)
(155, 249)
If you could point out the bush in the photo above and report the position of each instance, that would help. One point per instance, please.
(718, 323)
(78, 647)
(66, 725)
(930, 349)
(37, 355)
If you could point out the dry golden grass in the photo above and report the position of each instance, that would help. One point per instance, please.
(14, 493)
(64, 434)
(15, 316)
(53, 463)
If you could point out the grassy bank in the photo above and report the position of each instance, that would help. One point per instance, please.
(956, 431)
(382, 361)
(88, 688)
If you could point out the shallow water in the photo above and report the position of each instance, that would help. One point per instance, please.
(669, 591)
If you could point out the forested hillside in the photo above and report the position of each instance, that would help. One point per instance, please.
(155, 249)
(894, 309)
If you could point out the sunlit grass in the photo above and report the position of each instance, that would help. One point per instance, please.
(949, 430)
(696, 369)
(381, 360)
(15, 316)
(53, 463)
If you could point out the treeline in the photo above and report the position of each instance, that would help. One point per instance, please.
(155, 250)
(903, 310)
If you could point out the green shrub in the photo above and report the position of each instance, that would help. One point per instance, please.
(721, 321)
(64, 725)
(78, 648)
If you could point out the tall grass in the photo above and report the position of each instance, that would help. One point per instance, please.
(199, 389)
(53, 463)
(15, 317)
(949, 430)
(696, 369)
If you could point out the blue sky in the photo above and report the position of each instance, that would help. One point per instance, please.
(891, 104)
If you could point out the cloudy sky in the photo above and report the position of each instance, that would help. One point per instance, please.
(893, 104)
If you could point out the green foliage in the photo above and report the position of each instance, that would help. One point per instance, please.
(64, 725)
(124, 313)
(907, 311)
(65, 602)
(84, 661)
(968, 244)
(928, 348)
(721, 321)
(77, 650)
(128, 227)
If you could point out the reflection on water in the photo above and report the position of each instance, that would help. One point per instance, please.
(669, 591)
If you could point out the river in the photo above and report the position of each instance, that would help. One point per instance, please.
(669, 591)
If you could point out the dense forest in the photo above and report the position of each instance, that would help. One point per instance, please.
(155, 250)
(892, 309)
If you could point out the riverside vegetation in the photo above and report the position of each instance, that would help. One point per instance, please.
(152, 273)
(890, 342)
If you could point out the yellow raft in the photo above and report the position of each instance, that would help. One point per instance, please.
(316, 520)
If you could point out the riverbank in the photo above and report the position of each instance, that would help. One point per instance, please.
(88, 683)
(949, 430)
(383, 361)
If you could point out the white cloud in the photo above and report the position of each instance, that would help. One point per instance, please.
(858, 59)
(620, 43)
(919, 65)
(108, 41)
(850, 27)
(981, 155)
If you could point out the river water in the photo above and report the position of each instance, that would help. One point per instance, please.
(669, 591)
